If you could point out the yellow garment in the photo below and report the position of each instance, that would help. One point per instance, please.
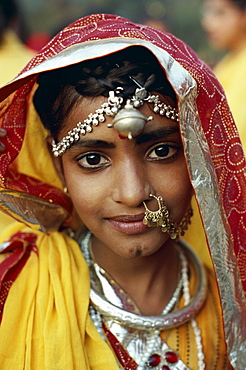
(195, 236)
(231, 73)
(209, 320)
(31, 158)
(46, 323)
(5, 221)
(14, 55)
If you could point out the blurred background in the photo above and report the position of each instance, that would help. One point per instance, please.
(41, 19)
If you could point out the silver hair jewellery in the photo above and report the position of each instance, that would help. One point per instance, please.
(161, 218)
(128, 121)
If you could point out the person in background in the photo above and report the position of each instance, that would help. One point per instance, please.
(14, 54)
(132, 125)
(225, 24)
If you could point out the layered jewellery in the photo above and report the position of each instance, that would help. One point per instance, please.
(135, 338)
(128, 121)
(161, 218)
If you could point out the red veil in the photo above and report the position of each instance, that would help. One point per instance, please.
(213, 150)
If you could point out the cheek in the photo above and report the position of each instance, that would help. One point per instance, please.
(87, 193)
(183, 191)
(222, 27)
(221, 31)
(182, 202)
(176, 190)
(86, 204)
(232, 26)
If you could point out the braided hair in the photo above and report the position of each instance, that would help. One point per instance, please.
(61, 89)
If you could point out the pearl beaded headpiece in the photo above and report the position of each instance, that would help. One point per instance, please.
(129, 122)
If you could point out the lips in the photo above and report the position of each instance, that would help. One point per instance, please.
(128, 218)
(130, 224)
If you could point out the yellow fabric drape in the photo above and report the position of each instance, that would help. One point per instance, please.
(195, 236)
(209, 320)
(33, 155)
(46, 312)
(14, 55)
(45, 323)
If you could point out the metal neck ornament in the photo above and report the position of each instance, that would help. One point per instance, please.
(140, 334)
(160, 218)
(128, 121)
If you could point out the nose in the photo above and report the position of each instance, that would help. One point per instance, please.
(132, 185)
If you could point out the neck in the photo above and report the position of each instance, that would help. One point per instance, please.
(151, 279)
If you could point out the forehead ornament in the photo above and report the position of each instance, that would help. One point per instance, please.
(128, 121)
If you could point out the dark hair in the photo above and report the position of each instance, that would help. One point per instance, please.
(8, 13)
(60, 90)
(241, 4)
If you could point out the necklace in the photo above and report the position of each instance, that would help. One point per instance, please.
(143, 322)
(156, 353)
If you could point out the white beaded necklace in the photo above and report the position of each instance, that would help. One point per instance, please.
(153, 339)
(196, 330)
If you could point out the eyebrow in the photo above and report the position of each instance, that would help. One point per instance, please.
(156, 134)
(140, 139)
(93, 143)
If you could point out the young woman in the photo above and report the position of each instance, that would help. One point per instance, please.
(225, 24)
(136, 125)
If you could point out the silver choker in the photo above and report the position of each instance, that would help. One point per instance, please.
(143, 322)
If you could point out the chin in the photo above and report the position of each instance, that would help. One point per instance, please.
(139, 251)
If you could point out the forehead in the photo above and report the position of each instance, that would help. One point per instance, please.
(88, 105)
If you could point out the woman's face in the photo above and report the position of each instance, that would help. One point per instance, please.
(108, 178)
(224, 23)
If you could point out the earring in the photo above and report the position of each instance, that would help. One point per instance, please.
(65, 189)
(161, 218)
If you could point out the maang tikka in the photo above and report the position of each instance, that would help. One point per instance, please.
(161, 218)
(128, 121)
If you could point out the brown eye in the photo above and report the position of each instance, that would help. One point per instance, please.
(92, 161)
(163, 151)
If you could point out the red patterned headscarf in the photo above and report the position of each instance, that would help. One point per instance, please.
(213, 150)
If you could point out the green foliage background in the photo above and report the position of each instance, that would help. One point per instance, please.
(181, 17)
